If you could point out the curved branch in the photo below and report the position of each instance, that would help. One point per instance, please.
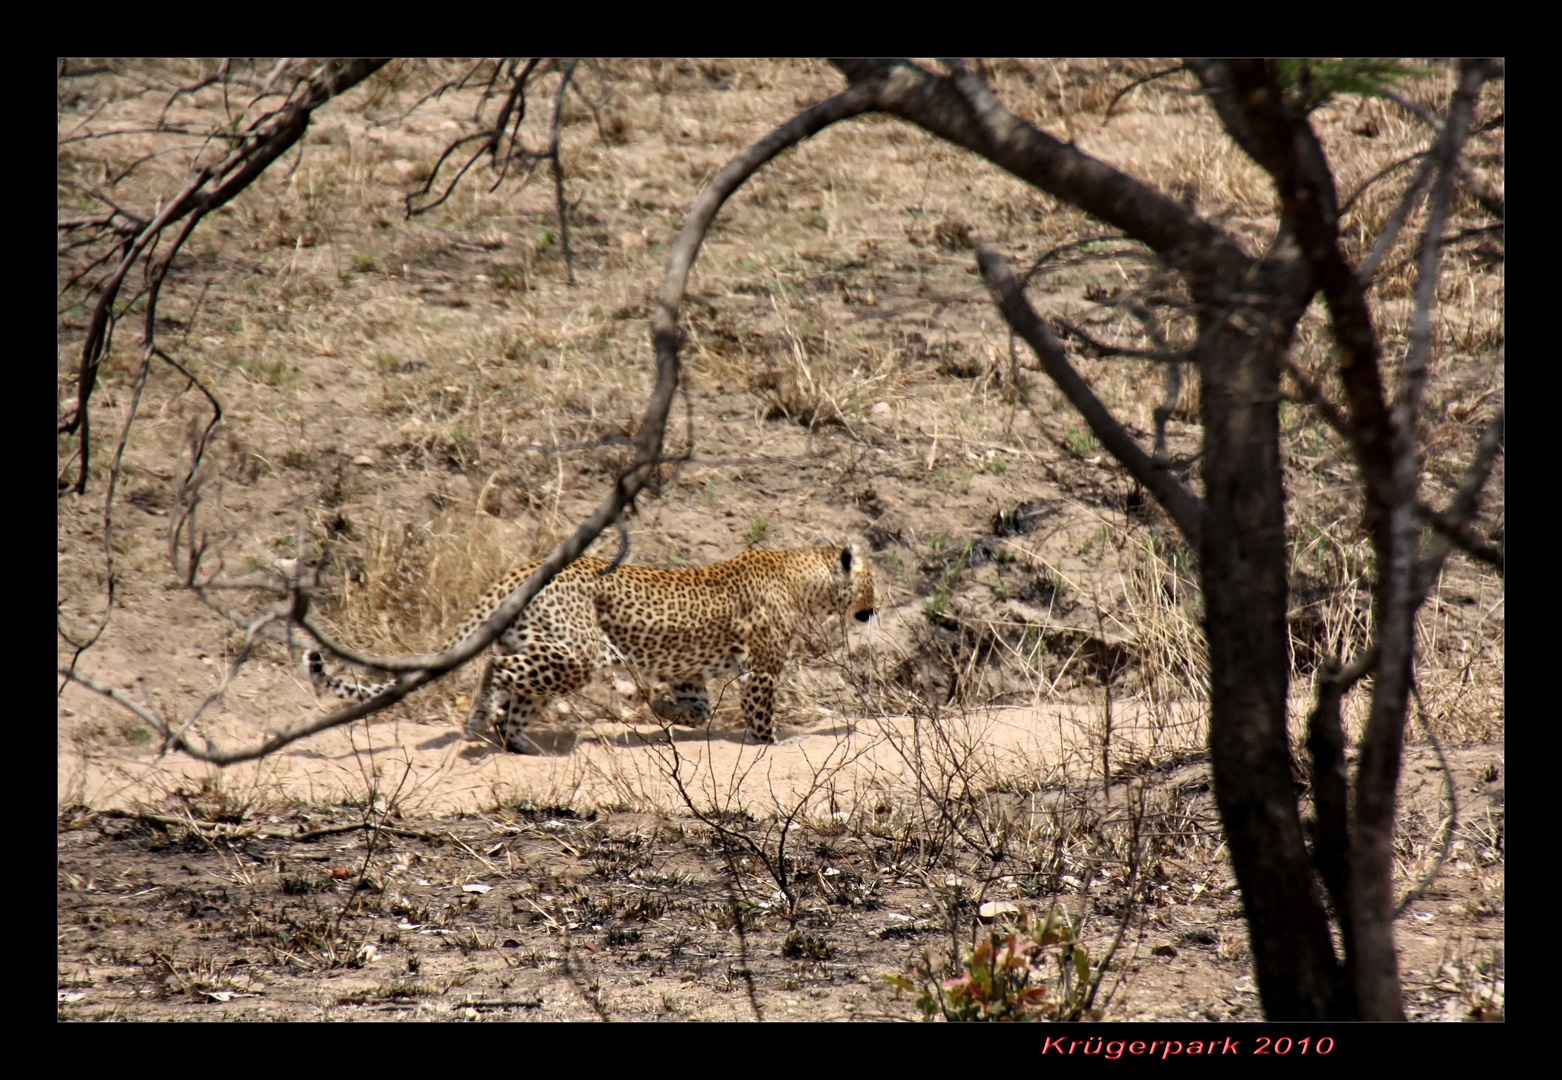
(963, 111)
(1125, 91)
(1102, 348)
(1180, 503)
(1452, 525)
(414, 672)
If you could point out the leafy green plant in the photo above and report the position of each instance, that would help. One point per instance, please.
(1006, 977)
(757, 529)
(1309, 82)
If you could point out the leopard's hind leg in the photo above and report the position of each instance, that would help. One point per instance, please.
(552, 651)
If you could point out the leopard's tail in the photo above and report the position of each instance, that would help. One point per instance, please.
(347, 688)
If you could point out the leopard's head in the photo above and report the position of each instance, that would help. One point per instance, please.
(852, 590)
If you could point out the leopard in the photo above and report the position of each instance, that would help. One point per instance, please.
(680, 627)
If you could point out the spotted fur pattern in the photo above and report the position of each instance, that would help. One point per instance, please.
(736, 619)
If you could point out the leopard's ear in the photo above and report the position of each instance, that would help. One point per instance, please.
(846, 559)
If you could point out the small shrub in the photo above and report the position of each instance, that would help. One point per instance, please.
(1005, 977)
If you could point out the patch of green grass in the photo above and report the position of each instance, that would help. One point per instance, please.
(757, 529)
(949, 566)
(268, 372)
(134, 734)
(1033, 645)
(1057, 583)
(1080, 443)
(1000, 587)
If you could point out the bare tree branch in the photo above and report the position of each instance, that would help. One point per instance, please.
(1489, 200)
(963, 111)
(1452, 524)
(1396, 221)
(1125, 91)
(1101, 348)
(1450, 145)
(266, 140)
(1181, 504)
(558, 169)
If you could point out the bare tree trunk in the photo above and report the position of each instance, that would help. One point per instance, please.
(1244, 571)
